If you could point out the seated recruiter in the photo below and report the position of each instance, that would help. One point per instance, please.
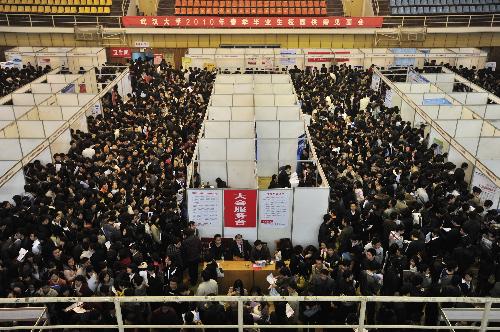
(259, 252)
(217, 249)
(240, 249)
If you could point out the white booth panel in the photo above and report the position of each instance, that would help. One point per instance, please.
(23, 99)
(492, 111)
(49, 113)
(267, 149)
(242, 129)
(267, 129)
(486, 148)
(264, 100)
(80, 124)
(40, 97)
(212, 149)
(459, 96)
(283, 89)
(21, 110)
(221, 100)
(211, 170)
(68, 111)
(449, 126)
(285, 100)
(266, 168)
(420, 87)
(223, 89)
(6, 112)
(31, 129)
(84, 98)
(478, 109)
(416, 97)
(309, 207)
(11, 149)
(14, 186)
(243, 100)
(265, 113)
(40, 88)
(407, 112)
(219, 113)
(475, 98)
(291, 129)
(243, 88)
(62, 143)
(469, 143)
(260, 79)
(224, 79)
(29, 144)
(288, 150)
(241, 174)
(457, 158)
(240, 149)
(469, 128)
(449, 112)
(51, 126)
(288, 113)
(216, 129)
(280, 78)
(243, 78)
(67, 99)
(45, 157)
(242, 113)
(263, 88)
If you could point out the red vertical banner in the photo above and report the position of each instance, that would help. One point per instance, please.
(240, 208)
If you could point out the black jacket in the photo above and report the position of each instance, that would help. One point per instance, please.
(234, 251)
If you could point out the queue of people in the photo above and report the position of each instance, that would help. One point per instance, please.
(13, 78)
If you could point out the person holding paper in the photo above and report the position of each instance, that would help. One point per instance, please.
(259, 252)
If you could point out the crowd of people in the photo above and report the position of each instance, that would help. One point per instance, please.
(13, 78)
(108, 218)
(402, 220)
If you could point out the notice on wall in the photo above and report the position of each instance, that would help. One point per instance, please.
(388, 98)
(375, 82)
(240, 208)
(205, 207)
(489, 189)
(274, 208)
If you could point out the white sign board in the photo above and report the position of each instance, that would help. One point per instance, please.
(205, 207)
(375, 82)
(489, 189)
(274, 208)
(141, 44)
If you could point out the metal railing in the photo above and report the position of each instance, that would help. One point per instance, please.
(484, 304)
(69, 21)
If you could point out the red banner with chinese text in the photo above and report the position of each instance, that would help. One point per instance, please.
(251, 22)
(121, 52)
(240, 208)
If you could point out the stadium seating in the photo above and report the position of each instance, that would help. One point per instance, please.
(251, 7)
(443, 7)
(56, 7)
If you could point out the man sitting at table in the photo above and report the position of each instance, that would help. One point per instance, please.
(217, 249)
(260, 252)
(240, 249)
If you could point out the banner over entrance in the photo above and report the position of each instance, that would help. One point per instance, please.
(240, 208)
(251, 22)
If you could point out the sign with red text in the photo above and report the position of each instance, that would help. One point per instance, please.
(251, 22)
(121, 52)
(274, 208)
(240, 208)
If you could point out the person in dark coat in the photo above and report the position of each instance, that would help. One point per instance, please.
(191, 249)
(284, 177)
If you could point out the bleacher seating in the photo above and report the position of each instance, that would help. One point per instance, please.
(57, 7)
(443, 7)
(251, 7)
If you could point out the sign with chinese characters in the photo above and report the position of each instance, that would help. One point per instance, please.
(240, 208)
(251, 22)
(121, 52)
(274, 208)
(205, 207)
(489, 189)
(141, 44)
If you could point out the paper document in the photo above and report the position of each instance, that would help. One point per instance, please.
(289, 311)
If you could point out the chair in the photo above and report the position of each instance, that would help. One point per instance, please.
(420, 10)
(107, 10)
(432, 9)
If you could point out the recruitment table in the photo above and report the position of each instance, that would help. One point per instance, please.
(244, 270)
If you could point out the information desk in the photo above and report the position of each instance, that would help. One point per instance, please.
(244, 271)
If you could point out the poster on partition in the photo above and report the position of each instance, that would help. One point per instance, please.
(375, 82)
(240, 208)
(388, 98)
(205, 207)
(274, 208)
(489, 189)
